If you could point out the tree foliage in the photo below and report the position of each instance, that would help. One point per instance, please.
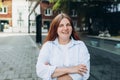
(62, 5)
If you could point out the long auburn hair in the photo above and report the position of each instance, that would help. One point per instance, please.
(52, 33)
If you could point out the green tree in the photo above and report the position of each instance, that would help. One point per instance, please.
(62, 5)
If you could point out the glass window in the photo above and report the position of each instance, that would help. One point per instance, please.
(3, 10)
(74, 13)
(48, 12)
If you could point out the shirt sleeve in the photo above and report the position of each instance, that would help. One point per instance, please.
(79, 77)
(44, 71)
(76, 76)
(84, 58)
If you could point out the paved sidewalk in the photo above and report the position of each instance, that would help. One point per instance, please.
(18, 56)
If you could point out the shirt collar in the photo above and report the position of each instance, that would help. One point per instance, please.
(72, 42)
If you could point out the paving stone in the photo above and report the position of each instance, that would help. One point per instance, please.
(18, 55)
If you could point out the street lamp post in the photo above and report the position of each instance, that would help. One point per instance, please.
(38, 20)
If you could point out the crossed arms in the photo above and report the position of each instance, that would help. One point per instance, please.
(63, 73)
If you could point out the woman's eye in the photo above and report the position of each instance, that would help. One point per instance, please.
(61, 25)
(68, 24)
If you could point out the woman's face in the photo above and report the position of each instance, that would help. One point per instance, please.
(64, 29)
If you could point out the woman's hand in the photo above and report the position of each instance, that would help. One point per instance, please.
(80, 69)
(60, 72)
(46, 63)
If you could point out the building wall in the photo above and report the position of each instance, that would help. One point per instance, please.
(48, 14)
(8, 15)
(20, 15)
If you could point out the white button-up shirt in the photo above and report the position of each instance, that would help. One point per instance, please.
(72, 54)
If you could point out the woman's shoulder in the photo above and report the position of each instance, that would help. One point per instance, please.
(47, 43)
(79, 42)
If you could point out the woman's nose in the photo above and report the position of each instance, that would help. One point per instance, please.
(65, 27)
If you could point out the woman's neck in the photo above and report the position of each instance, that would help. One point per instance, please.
(63, 42)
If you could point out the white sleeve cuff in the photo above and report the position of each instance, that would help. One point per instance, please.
(52, 69)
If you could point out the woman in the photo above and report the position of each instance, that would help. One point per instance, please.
(63, 56)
